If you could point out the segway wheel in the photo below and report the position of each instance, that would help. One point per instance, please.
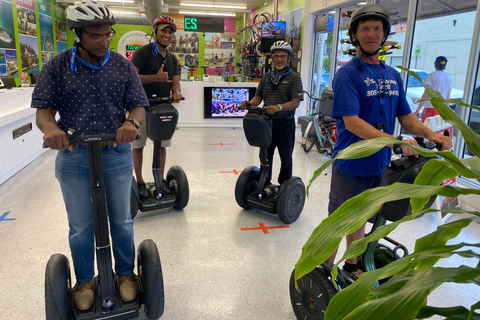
(149, 271)
(58, 284)
(316, 291)
(247, 182)
(290, 200)
(177, 181)
(309, 138)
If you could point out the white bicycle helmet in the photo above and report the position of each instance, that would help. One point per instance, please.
(88, 13)
(281, 45)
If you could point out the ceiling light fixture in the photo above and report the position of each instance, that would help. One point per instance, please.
(204, 13)
(121, 1)
(212, 6)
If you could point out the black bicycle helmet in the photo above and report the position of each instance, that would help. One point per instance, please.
(370, 11)
(88, 13)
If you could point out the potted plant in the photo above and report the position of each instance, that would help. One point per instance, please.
(415, 276)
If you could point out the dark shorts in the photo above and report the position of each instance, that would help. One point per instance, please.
(344, 187)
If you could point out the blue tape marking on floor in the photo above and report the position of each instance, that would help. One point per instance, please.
(3, 217)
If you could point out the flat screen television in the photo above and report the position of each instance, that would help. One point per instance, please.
(273, 29)
(130, 50)
(224, 102)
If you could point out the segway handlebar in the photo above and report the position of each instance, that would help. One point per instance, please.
(89, 138)
(422, 142)
(159, 100)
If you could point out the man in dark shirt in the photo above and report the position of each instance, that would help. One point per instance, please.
(281, 91)
(91, 88)
(158, 71)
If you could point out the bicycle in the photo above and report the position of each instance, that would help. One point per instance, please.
(322, 128)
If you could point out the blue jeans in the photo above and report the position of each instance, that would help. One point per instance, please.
(72, 171)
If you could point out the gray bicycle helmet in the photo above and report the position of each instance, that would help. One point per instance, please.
(281, 45)
(370, 11)
(88, 13)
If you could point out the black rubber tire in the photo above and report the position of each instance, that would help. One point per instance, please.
(133, 199)
(58, 285)
(177, 182)
(290, 200)
(247, 182)
(309, 138)
(316, 291)
(149, 270)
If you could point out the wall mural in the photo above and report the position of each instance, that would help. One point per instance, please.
(8, 58)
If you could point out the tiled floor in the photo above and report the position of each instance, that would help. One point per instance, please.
(212, 269)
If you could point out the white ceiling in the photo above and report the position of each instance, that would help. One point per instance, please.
(174, 5)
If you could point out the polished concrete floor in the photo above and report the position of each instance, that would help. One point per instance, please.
(212, 268)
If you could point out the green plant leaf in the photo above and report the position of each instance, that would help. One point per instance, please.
(440, 237)
(453, 313)
(354, 213)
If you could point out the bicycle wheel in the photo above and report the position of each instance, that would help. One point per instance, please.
(309, 138)
(328, 143)
(262, 17)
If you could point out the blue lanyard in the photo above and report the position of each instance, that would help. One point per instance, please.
(381, 89)
(73, 66)
(155, 50)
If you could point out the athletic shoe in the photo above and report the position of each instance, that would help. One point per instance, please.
(352, 276)
(142, 190)
(128, 287)
(83, 295)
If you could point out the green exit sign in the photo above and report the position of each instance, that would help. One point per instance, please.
(191, 24)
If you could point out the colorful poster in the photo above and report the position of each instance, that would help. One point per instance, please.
(293, 33)
(46, 33)
(45, 7)
(61, 46)
(29, 54)
(185, 47)
(27, 23)
(60, 12)
(11, 63)
(27, 4)
(7, 31)
(219, 50)
(60, 31)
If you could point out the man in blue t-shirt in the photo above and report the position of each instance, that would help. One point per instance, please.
(369, 96)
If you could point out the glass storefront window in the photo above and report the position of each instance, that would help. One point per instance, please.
(451, 40)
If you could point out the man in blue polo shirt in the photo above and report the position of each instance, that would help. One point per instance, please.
(369, 96)
(91, 88)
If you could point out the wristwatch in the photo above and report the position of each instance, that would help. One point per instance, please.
(134, 122)
(280, 107)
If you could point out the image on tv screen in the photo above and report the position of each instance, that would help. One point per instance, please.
(273, 29)
(130, 50)
(225, 102)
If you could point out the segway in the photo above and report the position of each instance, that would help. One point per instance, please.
(251, 190)
(108, 304)
(174, 191)
(316, 288)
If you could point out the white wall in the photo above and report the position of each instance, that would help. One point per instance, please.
(15, 112)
